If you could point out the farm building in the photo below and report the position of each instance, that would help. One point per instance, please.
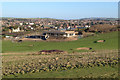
(43, 37)
(60, 33)
(53, 34)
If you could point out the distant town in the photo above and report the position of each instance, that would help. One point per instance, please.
(45, 28)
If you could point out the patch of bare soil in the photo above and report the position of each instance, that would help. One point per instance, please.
(84, 48)
(31, 39)
(20, 53)
(101, 41)
(52, 39)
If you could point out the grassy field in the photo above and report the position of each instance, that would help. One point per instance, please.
(111, 43)
(96, 72)
(73, 65)
(101, 63)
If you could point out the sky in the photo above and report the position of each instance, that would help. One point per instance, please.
(59, 0)
(60, 10)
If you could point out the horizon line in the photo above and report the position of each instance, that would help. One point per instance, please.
(58, 18)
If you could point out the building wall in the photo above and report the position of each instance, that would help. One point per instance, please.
(70, 34)
(16, 30)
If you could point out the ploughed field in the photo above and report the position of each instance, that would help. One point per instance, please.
(100, 61)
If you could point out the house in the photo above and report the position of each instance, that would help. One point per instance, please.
(87, 26)
(10, 31)
(57, 33)
(31, 23)
(69, 33)
(21, 24)
(16, 30)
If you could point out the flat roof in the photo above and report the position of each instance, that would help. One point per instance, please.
(59, 32)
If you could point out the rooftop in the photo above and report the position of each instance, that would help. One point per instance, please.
(59, 32)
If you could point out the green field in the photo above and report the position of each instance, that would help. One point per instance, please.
(101, 63)
(96, 72)
(111, 43)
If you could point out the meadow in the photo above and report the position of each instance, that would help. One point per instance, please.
(100, 61)
(111, 43)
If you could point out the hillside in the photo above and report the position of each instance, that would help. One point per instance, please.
(100, 62)
(111, 43)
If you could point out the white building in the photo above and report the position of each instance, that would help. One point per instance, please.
(29, 26)
(60, 33)
(32, 28)
(16, 30)
(21, 24)
(31, 23)
(69, 34)
(87, 26)
(27, 23)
